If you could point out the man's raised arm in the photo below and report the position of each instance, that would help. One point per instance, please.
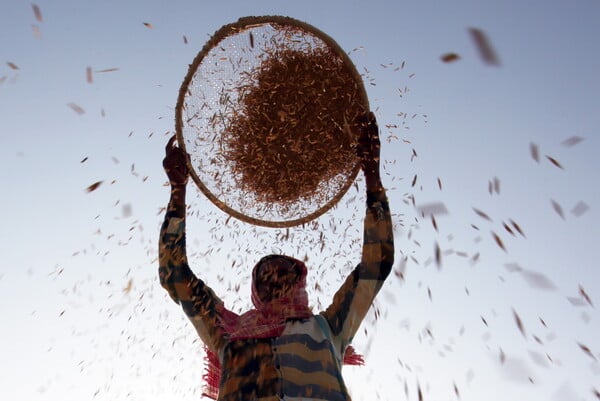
(352, 301)
(201, 305)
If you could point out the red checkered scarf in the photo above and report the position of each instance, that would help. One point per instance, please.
(267, 320)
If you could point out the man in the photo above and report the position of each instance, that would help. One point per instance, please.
(280, 348)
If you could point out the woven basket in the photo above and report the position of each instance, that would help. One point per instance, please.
(266, 112)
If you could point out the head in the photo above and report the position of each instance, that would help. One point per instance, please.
(277, 277)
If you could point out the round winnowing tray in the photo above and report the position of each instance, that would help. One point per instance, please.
(267, 113)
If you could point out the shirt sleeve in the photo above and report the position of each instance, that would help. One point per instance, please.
(200, 304)
(352, 301)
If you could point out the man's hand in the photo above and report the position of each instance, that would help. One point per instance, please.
(175, 164)
(368, 150)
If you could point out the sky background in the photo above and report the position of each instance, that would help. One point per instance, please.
(83, 315)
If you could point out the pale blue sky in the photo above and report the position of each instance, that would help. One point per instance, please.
(70, 331)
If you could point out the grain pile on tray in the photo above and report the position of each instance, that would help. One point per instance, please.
(294, 128)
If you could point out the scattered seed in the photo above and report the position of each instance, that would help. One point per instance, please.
(519, 323)
(482, 214)
(76, 108)
(37, 13)
(557, 208)
(94, 186)
(517, 227)
(438, 256)
(449, 57)
(555, 162)
(106, 70)
(535, 152)
(587, 351)
(585, 295)
(498, 241)
(580, 209)
(484, 46)
(572, 141)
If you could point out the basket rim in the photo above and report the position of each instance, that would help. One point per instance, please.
(233, 28)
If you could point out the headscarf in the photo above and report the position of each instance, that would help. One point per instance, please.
(266, 320)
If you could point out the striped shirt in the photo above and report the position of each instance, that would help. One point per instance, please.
(304, 363)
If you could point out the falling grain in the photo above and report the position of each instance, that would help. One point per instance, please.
(88, 75)
(557, 208)
(12, 65)
(37, 13)
(587, 351)
(94, 186)
(414, 154)
(106, 70)
(497, 185)
(513, 267)
(126, 211)
(580, 209)
(498, 241)
(555, 162)
(507, 228)
(519, 323)
(482, 214)
(572, 141)
(37, 32)
(414, 181)
(535, 152)
(431, 209)
(128, 287)
(484, 47)
(148, 25)
(517, 227)
(449, 57)
(585, 295)
(538, 280)
(76, 108)
(576, 301)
